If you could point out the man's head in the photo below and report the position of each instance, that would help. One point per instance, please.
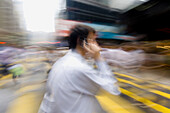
(79, 34)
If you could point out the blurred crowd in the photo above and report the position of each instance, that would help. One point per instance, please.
(127, 56)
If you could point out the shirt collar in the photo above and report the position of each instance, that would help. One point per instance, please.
(74, 53)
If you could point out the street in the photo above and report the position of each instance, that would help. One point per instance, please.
(139, 95)
(131, 36)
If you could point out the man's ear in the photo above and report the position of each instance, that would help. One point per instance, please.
(78, 42)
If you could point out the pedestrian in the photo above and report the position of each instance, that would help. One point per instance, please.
(72, 83)
(16, 70)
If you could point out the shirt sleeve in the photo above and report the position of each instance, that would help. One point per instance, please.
(89, 81)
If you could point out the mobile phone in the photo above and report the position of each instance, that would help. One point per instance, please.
(84, 41)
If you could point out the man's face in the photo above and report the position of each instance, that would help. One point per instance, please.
(91, 47)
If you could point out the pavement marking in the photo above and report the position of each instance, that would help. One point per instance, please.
(116, 104)
(5, 82)
(160, 93)
(161, 85)
(111, 106)
(6, 77)
(127, 76)
(29, 88)
(145, 88)
(26, 103)
(139, 80)
(37, 59)
(145, 101)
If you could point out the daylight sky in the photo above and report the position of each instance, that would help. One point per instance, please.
(39, 14)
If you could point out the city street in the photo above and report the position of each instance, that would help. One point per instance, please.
(131, 36)
(140, 93)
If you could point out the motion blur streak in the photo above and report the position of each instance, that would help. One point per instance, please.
(134, 39)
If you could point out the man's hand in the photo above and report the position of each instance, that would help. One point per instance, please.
(93, 49)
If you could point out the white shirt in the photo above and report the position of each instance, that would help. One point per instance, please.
(73, 84)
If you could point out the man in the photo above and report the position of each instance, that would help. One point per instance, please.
(72, 83)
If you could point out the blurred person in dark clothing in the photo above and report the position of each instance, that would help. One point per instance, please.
(72, 83)
(3, 69)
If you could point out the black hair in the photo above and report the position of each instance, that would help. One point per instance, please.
(79, 32)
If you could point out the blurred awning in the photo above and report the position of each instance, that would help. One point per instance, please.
(117, 5)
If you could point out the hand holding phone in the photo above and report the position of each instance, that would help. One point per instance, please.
(93, 49)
